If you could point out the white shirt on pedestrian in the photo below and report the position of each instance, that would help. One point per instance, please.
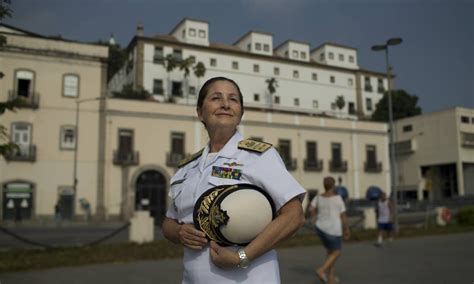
(329, 213)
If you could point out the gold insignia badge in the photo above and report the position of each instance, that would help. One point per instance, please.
(254, 146)
(189, 159)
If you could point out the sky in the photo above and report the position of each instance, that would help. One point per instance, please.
(434, 62)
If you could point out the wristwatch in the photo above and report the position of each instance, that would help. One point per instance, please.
(244, 260)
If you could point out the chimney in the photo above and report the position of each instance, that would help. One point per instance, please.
(140, 30)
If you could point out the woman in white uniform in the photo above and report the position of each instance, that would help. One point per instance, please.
(220, 108)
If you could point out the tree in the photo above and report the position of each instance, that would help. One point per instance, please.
(403, 105)
(171, 64)
(199, 71)
(185, 65)
(272, 84)
(117, 58)
(128, 92)
(340, 103)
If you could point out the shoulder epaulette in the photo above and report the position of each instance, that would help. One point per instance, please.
(254, 146)
(189, 159)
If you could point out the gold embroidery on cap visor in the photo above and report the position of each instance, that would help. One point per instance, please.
(212, 219)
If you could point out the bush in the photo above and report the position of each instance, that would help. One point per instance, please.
(465, 216)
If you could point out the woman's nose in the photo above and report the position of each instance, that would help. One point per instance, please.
(225, 103)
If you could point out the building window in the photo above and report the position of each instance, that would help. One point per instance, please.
(284, 148)
(21, 136)
(296, 101)
(67, 137)
(276, 71)
(464, 119)
(258, 46)
(380, 88)
(178, 55)
(331, 55)
(351, 59)
(350, 82)
(266, 47)
(368, 103)
(371, 157)
(192, 90)
(249, 47)
(321, 57)
(315, 76)
(177, 145)
(71, 86)
(157, 87)
(295, 54)
(158, 57)
(315, 104)
(256, 68)
(341, 57)
(213, 62)
(176, 89)
(125, 144)
(286, 54)
(333, 106)
(202, 33)
(296, 74)
(311, 151)
(407, 128)
(336, 155)
(192, 32)
(256, 97)
(235, 65)
(367, 85)
(332, 79)
(351, 106)
(303, 55)
(277, 100)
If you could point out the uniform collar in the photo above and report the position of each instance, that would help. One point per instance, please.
(229, 150)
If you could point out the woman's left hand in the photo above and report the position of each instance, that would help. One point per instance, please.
(223, 257)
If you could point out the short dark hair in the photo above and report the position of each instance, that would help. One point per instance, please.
(205, 88)
(329, 183)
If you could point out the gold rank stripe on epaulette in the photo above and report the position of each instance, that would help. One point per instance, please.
(254, 146)
(191, 158)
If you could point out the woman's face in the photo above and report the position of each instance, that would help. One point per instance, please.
(221, 106)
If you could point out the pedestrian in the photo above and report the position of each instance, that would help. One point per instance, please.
(328, 215)
(220, 109)
(384, 219)
(57, 213)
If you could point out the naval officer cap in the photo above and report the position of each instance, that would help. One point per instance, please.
(233, 214)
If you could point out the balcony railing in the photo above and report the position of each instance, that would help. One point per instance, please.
(173, 159)
(338, 166)
(24, 153)
(373, 167)
(380, 90)
(131, 158)
(27, 99)
(290, 164)
(312, 165)
(368, 88)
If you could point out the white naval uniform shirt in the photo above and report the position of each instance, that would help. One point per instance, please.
(265, 170)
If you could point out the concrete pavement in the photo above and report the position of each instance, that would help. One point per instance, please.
(433, 259)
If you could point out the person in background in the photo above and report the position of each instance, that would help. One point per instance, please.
(328, 215)
(384, 219)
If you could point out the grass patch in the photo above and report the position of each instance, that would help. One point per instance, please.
(16, 260)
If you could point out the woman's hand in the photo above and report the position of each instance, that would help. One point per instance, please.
(223, 257)
(190, 237)
(346, 233)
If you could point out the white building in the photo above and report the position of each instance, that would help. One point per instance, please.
(307, 80)
(435, 154)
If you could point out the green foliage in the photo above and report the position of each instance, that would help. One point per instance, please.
(117, 58)
(185, 65)
(171, 63)
(5, 11)
(465, 216)
(199, 69)
(128, 92)
(403, 105)
(272, 84)
(340, 102)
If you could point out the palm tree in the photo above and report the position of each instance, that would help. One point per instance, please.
(199, 71)
(272, 84)
(340, 103)
(185, 65)
(171, 64)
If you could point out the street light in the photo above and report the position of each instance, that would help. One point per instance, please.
(391, 42)
(78, 102)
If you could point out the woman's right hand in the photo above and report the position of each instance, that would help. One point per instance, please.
(191, 238)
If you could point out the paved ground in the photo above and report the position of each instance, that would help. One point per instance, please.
(435, 259)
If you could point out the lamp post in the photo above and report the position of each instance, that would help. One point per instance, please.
(393, 167)
(74, 173)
